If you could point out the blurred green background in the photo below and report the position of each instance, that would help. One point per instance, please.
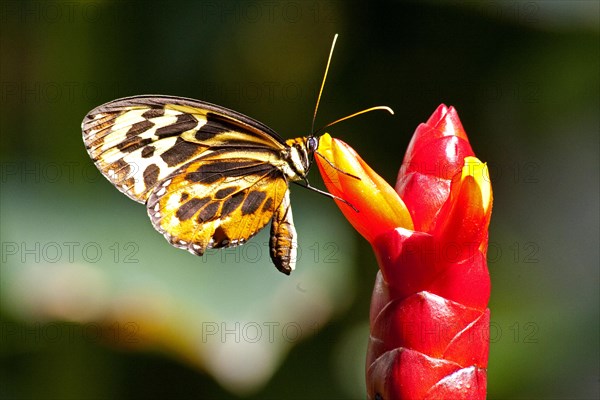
(95, 304)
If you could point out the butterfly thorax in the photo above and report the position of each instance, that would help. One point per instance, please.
(298, 157)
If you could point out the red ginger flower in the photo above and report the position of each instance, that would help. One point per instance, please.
(429, 315)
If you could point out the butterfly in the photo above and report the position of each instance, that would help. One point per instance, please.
(210, 177)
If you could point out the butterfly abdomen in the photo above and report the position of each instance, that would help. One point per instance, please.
(283, 245)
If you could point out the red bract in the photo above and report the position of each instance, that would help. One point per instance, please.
(429, 316)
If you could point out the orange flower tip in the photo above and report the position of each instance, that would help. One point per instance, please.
(479, 172)
(347, 176)
(325, 143)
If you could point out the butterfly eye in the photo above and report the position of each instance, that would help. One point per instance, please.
(312, 144)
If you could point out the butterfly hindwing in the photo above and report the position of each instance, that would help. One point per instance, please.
(216, 203)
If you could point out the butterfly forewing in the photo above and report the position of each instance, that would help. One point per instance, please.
(210, 177)
(137, 142)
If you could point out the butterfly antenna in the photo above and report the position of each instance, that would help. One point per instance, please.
(312, 127)
(385, 108)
